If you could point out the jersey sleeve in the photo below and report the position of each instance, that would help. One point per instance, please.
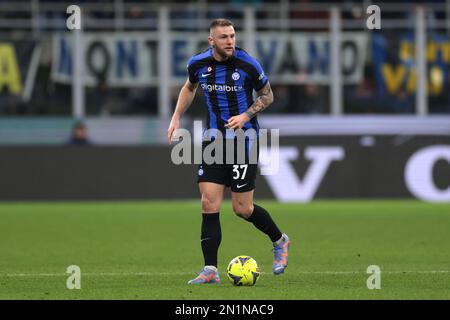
(259, 79)
(192, 72)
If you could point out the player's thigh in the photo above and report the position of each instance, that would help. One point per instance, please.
(242, 203)
(212, 196)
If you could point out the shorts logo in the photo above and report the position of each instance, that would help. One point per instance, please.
(200, 172)
(235, 76)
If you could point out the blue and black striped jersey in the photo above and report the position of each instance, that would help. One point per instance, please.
(228, 86)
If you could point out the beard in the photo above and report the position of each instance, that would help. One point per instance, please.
(222, 53)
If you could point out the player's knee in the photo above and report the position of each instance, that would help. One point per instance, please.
(243, 210)
(209, 204)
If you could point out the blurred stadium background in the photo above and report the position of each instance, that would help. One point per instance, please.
(363, 114)
(380, 100)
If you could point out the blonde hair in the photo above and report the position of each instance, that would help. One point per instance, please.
(220, 23)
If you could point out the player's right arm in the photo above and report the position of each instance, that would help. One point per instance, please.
(185, 98)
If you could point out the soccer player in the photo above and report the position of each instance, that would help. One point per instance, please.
(228, 75)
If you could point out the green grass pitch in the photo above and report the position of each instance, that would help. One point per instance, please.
(149, 250)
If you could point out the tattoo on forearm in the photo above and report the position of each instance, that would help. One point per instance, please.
(265, 98)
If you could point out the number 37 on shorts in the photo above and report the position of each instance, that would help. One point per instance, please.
(239, 177)
(239, 171)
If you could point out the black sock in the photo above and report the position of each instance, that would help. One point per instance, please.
(210, 237)
(263, 221)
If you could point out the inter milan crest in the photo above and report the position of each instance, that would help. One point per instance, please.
(209, 69)
(235, 76)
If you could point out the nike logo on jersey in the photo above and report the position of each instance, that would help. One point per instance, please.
(204, 75)
(240, 186)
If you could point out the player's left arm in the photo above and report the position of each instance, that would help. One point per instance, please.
(263, 100)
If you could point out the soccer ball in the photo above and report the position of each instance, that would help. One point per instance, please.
(243, 271)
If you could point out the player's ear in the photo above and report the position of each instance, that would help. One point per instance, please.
(211, 41)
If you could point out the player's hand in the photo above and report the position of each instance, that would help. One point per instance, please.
(237, 122)
(174, 125)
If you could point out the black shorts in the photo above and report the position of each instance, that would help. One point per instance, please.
(240, 175)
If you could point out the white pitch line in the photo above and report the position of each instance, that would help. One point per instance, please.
(102, 274)
(113, 274)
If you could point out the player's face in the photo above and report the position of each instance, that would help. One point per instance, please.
(223, 40)
(80, 133)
